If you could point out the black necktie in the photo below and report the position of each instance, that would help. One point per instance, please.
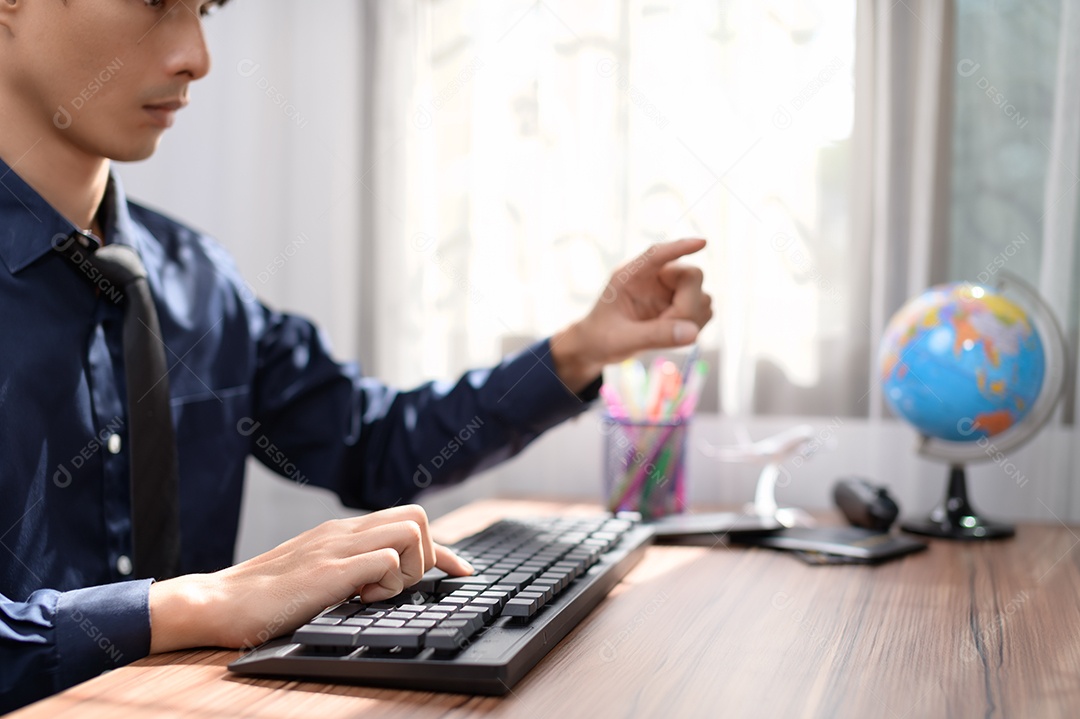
(118, 273)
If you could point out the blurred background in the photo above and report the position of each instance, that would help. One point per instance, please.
(436, 182)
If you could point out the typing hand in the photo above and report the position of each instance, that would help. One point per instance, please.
(374, 556)
(650, 302)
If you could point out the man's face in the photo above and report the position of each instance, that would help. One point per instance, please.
(106, 76)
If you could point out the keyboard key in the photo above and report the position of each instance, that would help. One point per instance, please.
(544, 590)
(474, 588)
(538, 596)
(321, 635)
(389, 623)
(359, 621)
(445, 639)
(474, 620)
(487, 607)
(371, 612)
(383, 606)
(521, 607)
(517, 580)
(587, 555)
(447, 608)
(342, 610)
(576, 569)
(560, 579)
(387, 637)
(617, 525)
(452, 584)
(430, 581)
(421, 623)
(500, 597)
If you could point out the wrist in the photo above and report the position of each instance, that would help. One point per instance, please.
(182, 614)
(572, 356)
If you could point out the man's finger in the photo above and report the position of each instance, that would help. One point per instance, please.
(660, 333)
(382, 568)
(688, 301)
(452, 564)
(403, 537)
(408, 512)
(660, 254)
(676, 275)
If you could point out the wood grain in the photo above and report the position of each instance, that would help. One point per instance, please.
(962, 630)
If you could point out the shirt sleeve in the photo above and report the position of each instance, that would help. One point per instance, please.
(325, 423)
(55, 640)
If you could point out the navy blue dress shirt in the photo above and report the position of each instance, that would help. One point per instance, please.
(244, 380)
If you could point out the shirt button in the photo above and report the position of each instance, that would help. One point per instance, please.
(113, 444)
(123, 564)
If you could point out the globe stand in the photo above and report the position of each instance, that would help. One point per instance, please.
(956, 518)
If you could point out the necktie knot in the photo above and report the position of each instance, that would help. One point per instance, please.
(119, 265)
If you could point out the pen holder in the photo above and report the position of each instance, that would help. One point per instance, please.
(644, 466)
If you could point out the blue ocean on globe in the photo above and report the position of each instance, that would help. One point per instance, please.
(961, 362)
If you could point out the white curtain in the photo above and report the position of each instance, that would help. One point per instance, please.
(901, 177)
(520, 150)
(840, 157)
(531, 147)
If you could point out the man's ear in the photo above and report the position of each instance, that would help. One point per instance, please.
(8, 9)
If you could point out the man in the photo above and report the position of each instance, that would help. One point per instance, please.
(241, 379)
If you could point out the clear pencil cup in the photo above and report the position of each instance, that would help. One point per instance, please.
(645, 466)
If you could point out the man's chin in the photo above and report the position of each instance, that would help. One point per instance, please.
(135, 152)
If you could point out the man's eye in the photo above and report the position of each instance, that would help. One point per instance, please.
(205, 9)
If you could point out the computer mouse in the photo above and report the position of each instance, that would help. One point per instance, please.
(864, 504)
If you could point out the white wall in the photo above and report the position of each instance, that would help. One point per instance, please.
(1026, 485)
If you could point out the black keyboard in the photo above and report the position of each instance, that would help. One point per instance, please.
(535, 580)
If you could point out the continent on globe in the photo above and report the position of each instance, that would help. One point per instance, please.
(961, 362)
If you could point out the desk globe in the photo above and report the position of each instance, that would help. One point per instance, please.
(977, 370)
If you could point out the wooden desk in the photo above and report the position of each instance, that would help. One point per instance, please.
(962, 630)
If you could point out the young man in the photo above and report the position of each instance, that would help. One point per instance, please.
(241, 378)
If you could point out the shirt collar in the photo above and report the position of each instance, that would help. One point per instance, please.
(29, 224)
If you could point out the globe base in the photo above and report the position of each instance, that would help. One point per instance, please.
(980, 529)
(956, 518)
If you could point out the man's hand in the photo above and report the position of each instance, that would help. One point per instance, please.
(374, 556)
(650, 302)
